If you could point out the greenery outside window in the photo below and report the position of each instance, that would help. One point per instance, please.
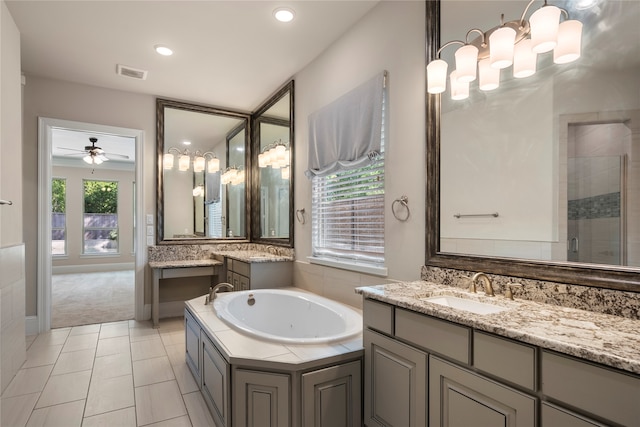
(100, 217)
(58, 216)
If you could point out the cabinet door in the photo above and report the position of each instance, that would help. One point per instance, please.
(215, 383)
(395, 383)
(261, 399)
(192, 345)
(331, 397)
(461, 398)
(244, 283)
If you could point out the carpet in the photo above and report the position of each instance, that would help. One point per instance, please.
(82, 299)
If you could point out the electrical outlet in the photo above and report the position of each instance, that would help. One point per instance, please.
(150, 241)
(149, 230)
(149, 219)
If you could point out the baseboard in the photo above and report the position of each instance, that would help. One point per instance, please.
(171, 309)
(92, 268)
(31, 325)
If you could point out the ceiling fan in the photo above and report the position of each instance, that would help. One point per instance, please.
(93, 154)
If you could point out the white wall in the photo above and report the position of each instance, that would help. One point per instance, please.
(12, 255)
(88, 104)
(391, 37)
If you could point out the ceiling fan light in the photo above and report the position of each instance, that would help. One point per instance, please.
(88, 159)
(97, 160)
(544, 28)
(569, 42)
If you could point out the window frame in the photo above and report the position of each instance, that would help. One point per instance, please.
(85, 253)
(65, 228)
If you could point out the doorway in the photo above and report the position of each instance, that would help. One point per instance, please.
(99, 237)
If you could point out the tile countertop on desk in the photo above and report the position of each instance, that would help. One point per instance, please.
(609, 340)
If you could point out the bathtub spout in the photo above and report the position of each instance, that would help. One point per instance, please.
(213, 291)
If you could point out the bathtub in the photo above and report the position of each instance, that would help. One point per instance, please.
(288, 316)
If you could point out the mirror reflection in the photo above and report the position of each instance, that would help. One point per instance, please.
(273, 132)
(545, 167)
(202, 172)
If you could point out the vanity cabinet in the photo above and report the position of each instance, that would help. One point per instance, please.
(215, 382)
(481, 379)
(261, 399)
(192, 344)
(258, 275)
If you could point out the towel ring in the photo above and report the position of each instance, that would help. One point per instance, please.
(300, 216)
(403, 201)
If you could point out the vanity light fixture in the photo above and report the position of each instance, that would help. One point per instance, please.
(184, 160)
(284, 14)
(514, 43)
(163, 50)
(275, 155)
(233, 175)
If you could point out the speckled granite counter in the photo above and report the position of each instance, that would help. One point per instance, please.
(610, 340)
(254, 256)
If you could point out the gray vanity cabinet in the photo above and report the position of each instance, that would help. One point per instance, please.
(215, 383)
(192, 344)
(258, 275)
(555, 416)
(395, 383)
(261, 399)
(461, 398)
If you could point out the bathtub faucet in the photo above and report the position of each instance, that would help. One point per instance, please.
(213, 291)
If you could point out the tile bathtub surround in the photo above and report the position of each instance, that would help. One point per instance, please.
(110, 374)
(606, 301)
(193, 252)
(601, 338)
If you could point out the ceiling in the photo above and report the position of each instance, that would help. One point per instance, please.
(230, 54)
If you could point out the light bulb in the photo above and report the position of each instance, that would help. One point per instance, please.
(437, 76)
(88, 159)
(569, 42)
(544, 28)
(466, 63)
(501, 47)
(524, 60)
(213, 165)
(198, 164)
(183, 163)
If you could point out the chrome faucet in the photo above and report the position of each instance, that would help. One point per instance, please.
(213, 291)
(486, 282)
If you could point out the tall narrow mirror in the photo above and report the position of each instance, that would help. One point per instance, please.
(273, 179)
(202, 172)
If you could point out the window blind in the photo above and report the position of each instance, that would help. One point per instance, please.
(348, 214)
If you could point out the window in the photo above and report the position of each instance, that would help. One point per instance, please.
(100, 218)
(348, 216)
(58, 216)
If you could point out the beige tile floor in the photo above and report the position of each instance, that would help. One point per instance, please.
(110, 374)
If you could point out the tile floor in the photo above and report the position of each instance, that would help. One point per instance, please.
(110, 374)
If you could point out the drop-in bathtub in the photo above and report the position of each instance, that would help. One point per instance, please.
(288, 316)
(240, 373)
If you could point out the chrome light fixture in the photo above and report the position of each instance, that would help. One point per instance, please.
(514, 43)
(275, 155)
(184, 160)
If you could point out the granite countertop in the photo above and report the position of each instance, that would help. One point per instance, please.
(610, 340)
(185, 263)
(242, 349)
(254, 256)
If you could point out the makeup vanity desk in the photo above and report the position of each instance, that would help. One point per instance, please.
(174, 269)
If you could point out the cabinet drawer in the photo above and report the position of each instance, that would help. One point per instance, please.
(434, 335)
(240, 267)
(610, 394)
(378, 315)
(505, 359)
(554, 416)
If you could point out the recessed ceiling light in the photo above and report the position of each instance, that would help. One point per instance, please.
(186, 142)
(284, 14)
(163, 50)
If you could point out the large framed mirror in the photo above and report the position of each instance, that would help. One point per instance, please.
(272, 186)
(538, 178)
(202, 173)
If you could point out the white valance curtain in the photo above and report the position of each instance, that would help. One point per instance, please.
(347, 133)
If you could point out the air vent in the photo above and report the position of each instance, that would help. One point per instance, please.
(134, 73)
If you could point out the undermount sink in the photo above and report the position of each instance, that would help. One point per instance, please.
(472, 306)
